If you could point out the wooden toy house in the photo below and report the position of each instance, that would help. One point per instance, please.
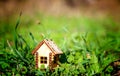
(47, 54)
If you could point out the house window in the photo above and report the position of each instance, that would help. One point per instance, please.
(43, 60)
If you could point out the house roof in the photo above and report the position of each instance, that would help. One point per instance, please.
(51, 45)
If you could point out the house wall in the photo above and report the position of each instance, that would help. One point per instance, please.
(55, 61)
(43, 51)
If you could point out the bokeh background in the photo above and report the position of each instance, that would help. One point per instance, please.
(55, 7)
(33, 12)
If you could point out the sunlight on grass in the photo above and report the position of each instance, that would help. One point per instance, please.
(60, 27)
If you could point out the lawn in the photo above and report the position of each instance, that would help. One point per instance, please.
(91, 46)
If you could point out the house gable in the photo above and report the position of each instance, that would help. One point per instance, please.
(43, 51)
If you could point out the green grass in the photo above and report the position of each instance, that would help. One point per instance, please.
(76, 36)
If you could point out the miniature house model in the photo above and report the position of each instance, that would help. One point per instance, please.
(46, 53)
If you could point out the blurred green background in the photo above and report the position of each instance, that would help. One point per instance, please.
(70, 15)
